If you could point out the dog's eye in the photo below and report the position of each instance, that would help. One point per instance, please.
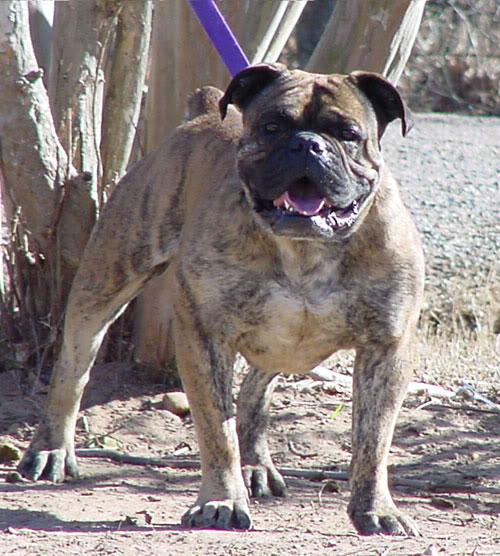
(349, 134)
(271, 127)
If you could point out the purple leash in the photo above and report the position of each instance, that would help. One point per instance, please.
(220, 34)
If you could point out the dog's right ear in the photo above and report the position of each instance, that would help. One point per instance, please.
(248, 83)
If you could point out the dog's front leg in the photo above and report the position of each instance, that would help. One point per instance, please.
(380, 380)
(259, 473)
(206, 367)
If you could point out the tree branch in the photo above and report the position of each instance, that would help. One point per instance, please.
(445, 486)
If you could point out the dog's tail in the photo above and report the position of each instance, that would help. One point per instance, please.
(202, 101)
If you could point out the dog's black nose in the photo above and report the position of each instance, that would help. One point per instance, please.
(307, 142)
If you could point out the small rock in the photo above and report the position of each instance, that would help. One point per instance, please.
(14, 477)
(177, 403)
(330, 486)
(148, 518)
(130, 521)
(83, 424)
(9, 453)
(442, 503)
(182, 449)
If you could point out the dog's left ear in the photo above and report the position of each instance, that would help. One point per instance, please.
(385, 99)
(248, 83)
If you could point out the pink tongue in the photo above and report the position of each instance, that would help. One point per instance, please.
(306, 207)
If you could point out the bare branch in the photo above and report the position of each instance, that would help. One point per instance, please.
(280, 28)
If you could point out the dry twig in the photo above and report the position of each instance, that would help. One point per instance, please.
(309, 474)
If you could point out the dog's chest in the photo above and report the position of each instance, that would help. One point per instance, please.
(298, 321)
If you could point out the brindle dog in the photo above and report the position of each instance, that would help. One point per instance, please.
(286, 240)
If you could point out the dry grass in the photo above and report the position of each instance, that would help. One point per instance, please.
(458, 337)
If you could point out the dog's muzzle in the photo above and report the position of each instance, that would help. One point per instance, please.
(308, 192)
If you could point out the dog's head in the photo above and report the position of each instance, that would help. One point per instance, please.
(309, 156)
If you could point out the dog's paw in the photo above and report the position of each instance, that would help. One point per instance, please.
(218, 514)
(263, 480)
(53, 465)
(395, 523)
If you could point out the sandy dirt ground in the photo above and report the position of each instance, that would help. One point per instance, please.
(115, 508)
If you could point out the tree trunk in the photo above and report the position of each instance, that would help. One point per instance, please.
(83, 32)
(50, 205)
(36, 174)
(34, 164)
(126, 86)
(183, 58)
(371, 35)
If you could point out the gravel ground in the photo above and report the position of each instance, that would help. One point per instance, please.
(448, 168)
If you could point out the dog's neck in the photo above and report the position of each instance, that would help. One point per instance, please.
(300, 258)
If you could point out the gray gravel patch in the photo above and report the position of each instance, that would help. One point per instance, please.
(448, 168)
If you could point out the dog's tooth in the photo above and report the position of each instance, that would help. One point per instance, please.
(355, 208)
(333, 220)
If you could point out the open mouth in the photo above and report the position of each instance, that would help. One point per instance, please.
(303, 200)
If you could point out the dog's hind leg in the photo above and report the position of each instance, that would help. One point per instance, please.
(259, 473)
(116, 264)
(90, 311)
(135, 238)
